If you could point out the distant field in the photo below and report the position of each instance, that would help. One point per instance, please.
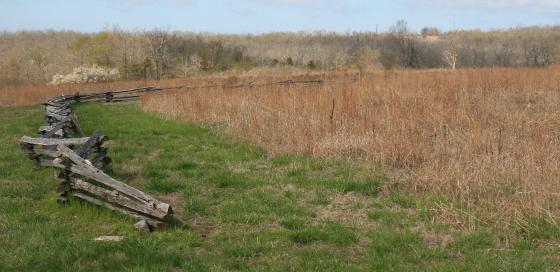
(488, 140)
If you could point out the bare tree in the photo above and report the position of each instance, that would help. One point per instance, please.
(556, 58)
(158, 40)
(451, 54)
(41, 62)
(123, 41)
(191, 65)
(403, 36)
(339, 60)
(367, 59)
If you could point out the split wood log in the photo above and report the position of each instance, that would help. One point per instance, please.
(55, 116)
(76, 124)
(53, 102)
(101, 161)
(60, 110)
(153, 223)
(89, 144)
(108, 96)
(53, 142)
(155, 217)
(86, 169)
(47, 152)
(114, 197)
(125, 99)
(52, 130)
(43, 130)
(100, 153)
(143, 226)
(143, 89)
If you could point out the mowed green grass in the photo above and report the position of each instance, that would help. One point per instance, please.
(243, 209)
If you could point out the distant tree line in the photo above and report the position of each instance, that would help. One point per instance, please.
(35, 56)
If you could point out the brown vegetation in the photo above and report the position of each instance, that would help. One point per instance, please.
(35, 56)
(487, 139)
(31, 94)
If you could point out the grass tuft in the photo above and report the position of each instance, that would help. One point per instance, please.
(164, 186)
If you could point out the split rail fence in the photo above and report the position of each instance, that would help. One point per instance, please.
(84, 161)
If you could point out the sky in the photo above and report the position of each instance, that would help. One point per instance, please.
(261, 16)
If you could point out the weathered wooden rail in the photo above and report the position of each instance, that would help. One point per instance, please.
(84, 161)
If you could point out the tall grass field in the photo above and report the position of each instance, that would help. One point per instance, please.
(426, 170)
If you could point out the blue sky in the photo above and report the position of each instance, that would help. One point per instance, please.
(258, 16)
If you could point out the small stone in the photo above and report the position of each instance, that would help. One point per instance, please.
(62, 200)
(143, 226)
(109, 238)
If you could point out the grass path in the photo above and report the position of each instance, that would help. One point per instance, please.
(244, 210)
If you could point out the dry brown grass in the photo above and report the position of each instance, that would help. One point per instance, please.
(488, 139)
(29, 94)
(21, 95)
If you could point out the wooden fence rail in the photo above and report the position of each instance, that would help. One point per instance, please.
(84, 161)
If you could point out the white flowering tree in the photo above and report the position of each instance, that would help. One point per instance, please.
(86, 74)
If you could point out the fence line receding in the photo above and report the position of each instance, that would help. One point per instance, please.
(84, 161)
